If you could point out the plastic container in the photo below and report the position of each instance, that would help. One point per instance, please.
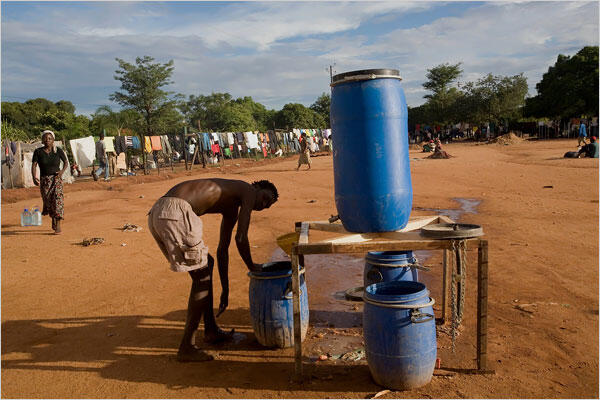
(26, 218)
(36, 217)
(387, 266)
(271, 305)
(373, 188)
(399, 333)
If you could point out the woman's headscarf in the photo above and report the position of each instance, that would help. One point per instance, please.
(53, 137)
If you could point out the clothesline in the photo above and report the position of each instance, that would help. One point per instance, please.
(229, 144)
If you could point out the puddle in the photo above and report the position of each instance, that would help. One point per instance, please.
(468, 206)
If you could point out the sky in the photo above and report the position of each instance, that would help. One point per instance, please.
(278, 52)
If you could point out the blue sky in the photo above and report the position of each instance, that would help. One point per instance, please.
(278, 52)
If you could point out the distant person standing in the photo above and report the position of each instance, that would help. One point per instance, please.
(50, 182)
(102, 159)
(304, 152)
(582, 134)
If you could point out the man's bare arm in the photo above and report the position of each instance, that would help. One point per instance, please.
(241, 236)
(227, 225)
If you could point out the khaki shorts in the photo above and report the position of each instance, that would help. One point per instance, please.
(178, 232)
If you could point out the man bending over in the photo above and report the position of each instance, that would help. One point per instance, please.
(178, 232)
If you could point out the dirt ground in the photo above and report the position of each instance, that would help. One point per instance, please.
(105, 320)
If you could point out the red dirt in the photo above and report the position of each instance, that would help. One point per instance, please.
(105, 320)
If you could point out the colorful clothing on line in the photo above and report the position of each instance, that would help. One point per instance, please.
(155, 143)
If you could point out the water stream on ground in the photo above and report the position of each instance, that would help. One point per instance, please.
(329, 276)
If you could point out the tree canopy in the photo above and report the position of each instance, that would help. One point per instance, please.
(141, 90)
(569, 88)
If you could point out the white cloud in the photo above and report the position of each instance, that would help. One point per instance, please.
(278, 52)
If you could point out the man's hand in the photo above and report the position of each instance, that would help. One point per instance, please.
(257, 267)
(224, 302)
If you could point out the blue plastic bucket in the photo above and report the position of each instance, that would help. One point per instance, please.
(371, 167)
(399, 333)
(387, 266)
(271, 305)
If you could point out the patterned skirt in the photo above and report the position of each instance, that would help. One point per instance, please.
(51, 187)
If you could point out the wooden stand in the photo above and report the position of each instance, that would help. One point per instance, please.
(408, 238)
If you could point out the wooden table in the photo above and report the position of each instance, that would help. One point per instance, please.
(408, 238)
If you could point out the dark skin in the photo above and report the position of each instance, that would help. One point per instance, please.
(234, 200)
(48, 141)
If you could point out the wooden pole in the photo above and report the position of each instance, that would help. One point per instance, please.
(144, 153)
(184, 151)
(445, 284)
(482, 302)
(303, 239)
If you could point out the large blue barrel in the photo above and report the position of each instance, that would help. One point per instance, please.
(399, 332)
(387, 266)
(373, 189)
(271, 305)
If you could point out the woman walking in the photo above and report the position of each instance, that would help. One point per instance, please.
(304, 152)
(50, 182)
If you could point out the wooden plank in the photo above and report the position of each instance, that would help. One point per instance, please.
(413, 224)
(442, 219)
(296, 311)
(377, 245)
(482, 302)
(326, 226)
(303, 239)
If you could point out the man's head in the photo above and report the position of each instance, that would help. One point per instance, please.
(266, 194)
(101, 135)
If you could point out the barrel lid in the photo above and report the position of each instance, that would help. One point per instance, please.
(365, 74)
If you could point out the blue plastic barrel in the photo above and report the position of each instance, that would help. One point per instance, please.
(373, 189)
(399, 333)
(387, 266)
(271, 305)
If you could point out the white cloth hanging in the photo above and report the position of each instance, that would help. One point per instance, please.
(84, 151)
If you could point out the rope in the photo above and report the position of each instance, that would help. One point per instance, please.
(403, 306)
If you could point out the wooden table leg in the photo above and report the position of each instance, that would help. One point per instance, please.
(482, 302)
(296, 308)
(445, 285)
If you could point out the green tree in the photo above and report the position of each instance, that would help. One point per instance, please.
(141, 90)
(295, 115)
(321, 106)
(444, 95)
(495, 98)
(11, 133)
(569, 88)
(115, 121)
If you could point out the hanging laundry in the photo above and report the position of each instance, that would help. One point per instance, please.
(120, 144)
(147, 144)
(230, 138)
(84, 151)
(215, 148)
(121, 161)
(155, 144)
(109, 144)
(129, 141)
(251, 140)
(136, 142)
(166, 144)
